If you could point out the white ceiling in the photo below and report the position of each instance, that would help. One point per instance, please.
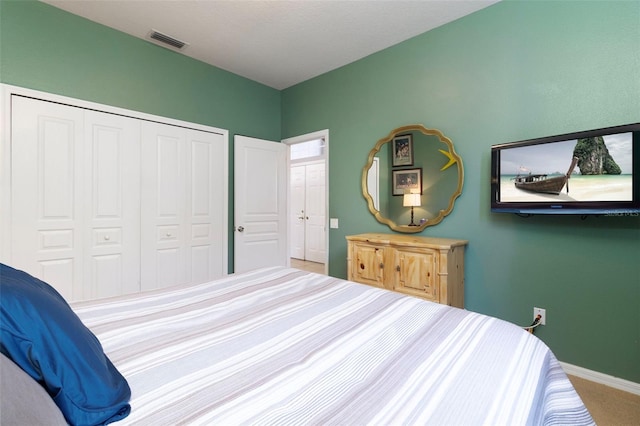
(276, 42)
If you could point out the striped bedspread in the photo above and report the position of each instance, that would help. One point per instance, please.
(283, 346)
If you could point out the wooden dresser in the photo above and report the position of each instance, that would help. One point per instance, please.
(430, 268)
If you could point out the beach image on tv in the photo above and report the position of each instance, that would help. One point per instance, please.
(589, 169)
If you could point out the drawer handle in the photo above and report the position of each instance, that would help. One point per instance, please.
(398, 268)
(107, 238)
(362, 266)
(381, 265)
(168, 234)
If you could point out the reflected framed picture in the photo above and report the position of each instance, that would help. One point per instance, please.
(402, 150)
(405, 180)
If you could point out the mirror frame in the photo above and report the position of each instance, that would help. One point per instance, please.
(442, 213)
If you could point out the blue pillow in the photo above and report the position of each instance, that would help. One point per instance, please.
(40, 333)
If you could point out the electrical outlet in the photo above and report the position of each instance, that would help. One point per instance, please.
(542, 313)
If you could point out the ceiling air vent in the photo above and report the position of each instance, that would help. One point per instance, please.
(166, 39)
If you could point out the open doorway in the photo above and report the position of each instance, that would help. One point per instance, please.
(308, 201)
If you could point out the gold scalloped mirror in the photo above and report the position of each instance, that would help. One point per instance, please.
(412, 160)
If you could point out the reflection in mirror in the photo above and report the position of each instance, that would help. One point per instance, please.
(412, 160)
(373, 182)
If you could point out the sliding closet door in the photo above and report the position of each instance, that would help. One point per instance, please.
(75, 207)
(105, 203)
(207, 167)
(183, 204)
(111, 205)
(46, 181)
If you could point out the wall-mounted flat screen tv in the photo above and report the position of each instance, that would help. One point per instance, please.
(594, 172)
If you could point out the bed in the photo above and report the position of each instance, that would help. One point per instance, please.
(283, 346)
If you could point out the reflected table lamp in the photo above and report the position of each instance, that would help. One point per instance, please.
(411, 200)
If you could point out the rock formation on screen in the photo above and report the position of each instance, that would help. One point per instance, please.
(594, 158)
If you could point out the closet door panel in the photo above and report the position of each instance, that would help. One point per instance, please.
(169, 175)
(105, 276)
(61, 273)
(206, 171)
(56, 156)
(183, 202)
(112, 213)
(169, 267)
(46, 196)
(201, 260)
(163, 197)
(201, 159)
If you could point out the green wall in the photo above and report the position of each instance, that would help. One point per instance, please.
(45, 48)
(513, 71)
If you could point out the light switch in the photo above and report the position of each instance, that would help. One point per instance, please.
(333, 222)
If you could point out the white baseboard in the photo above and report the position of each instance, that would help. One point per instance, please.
(604, 379)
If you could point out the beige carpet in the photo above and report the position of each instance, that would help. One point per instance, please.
(305, 265)
(608, 406)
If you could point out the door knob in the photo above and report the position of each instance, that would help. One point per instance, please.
(240, 228)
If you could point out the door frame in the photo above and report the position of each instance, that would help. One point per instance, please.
(7, 91)
(320, 134)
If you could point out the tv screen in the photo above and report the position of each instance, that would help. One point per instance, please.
(588, 172)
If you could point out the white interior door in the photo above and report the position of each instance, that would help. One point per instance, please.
(308, 207)
(297, 180)
(260, 225)
(315, 218)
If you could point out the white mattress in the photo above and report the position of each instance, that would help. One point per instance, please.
(283, 346)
